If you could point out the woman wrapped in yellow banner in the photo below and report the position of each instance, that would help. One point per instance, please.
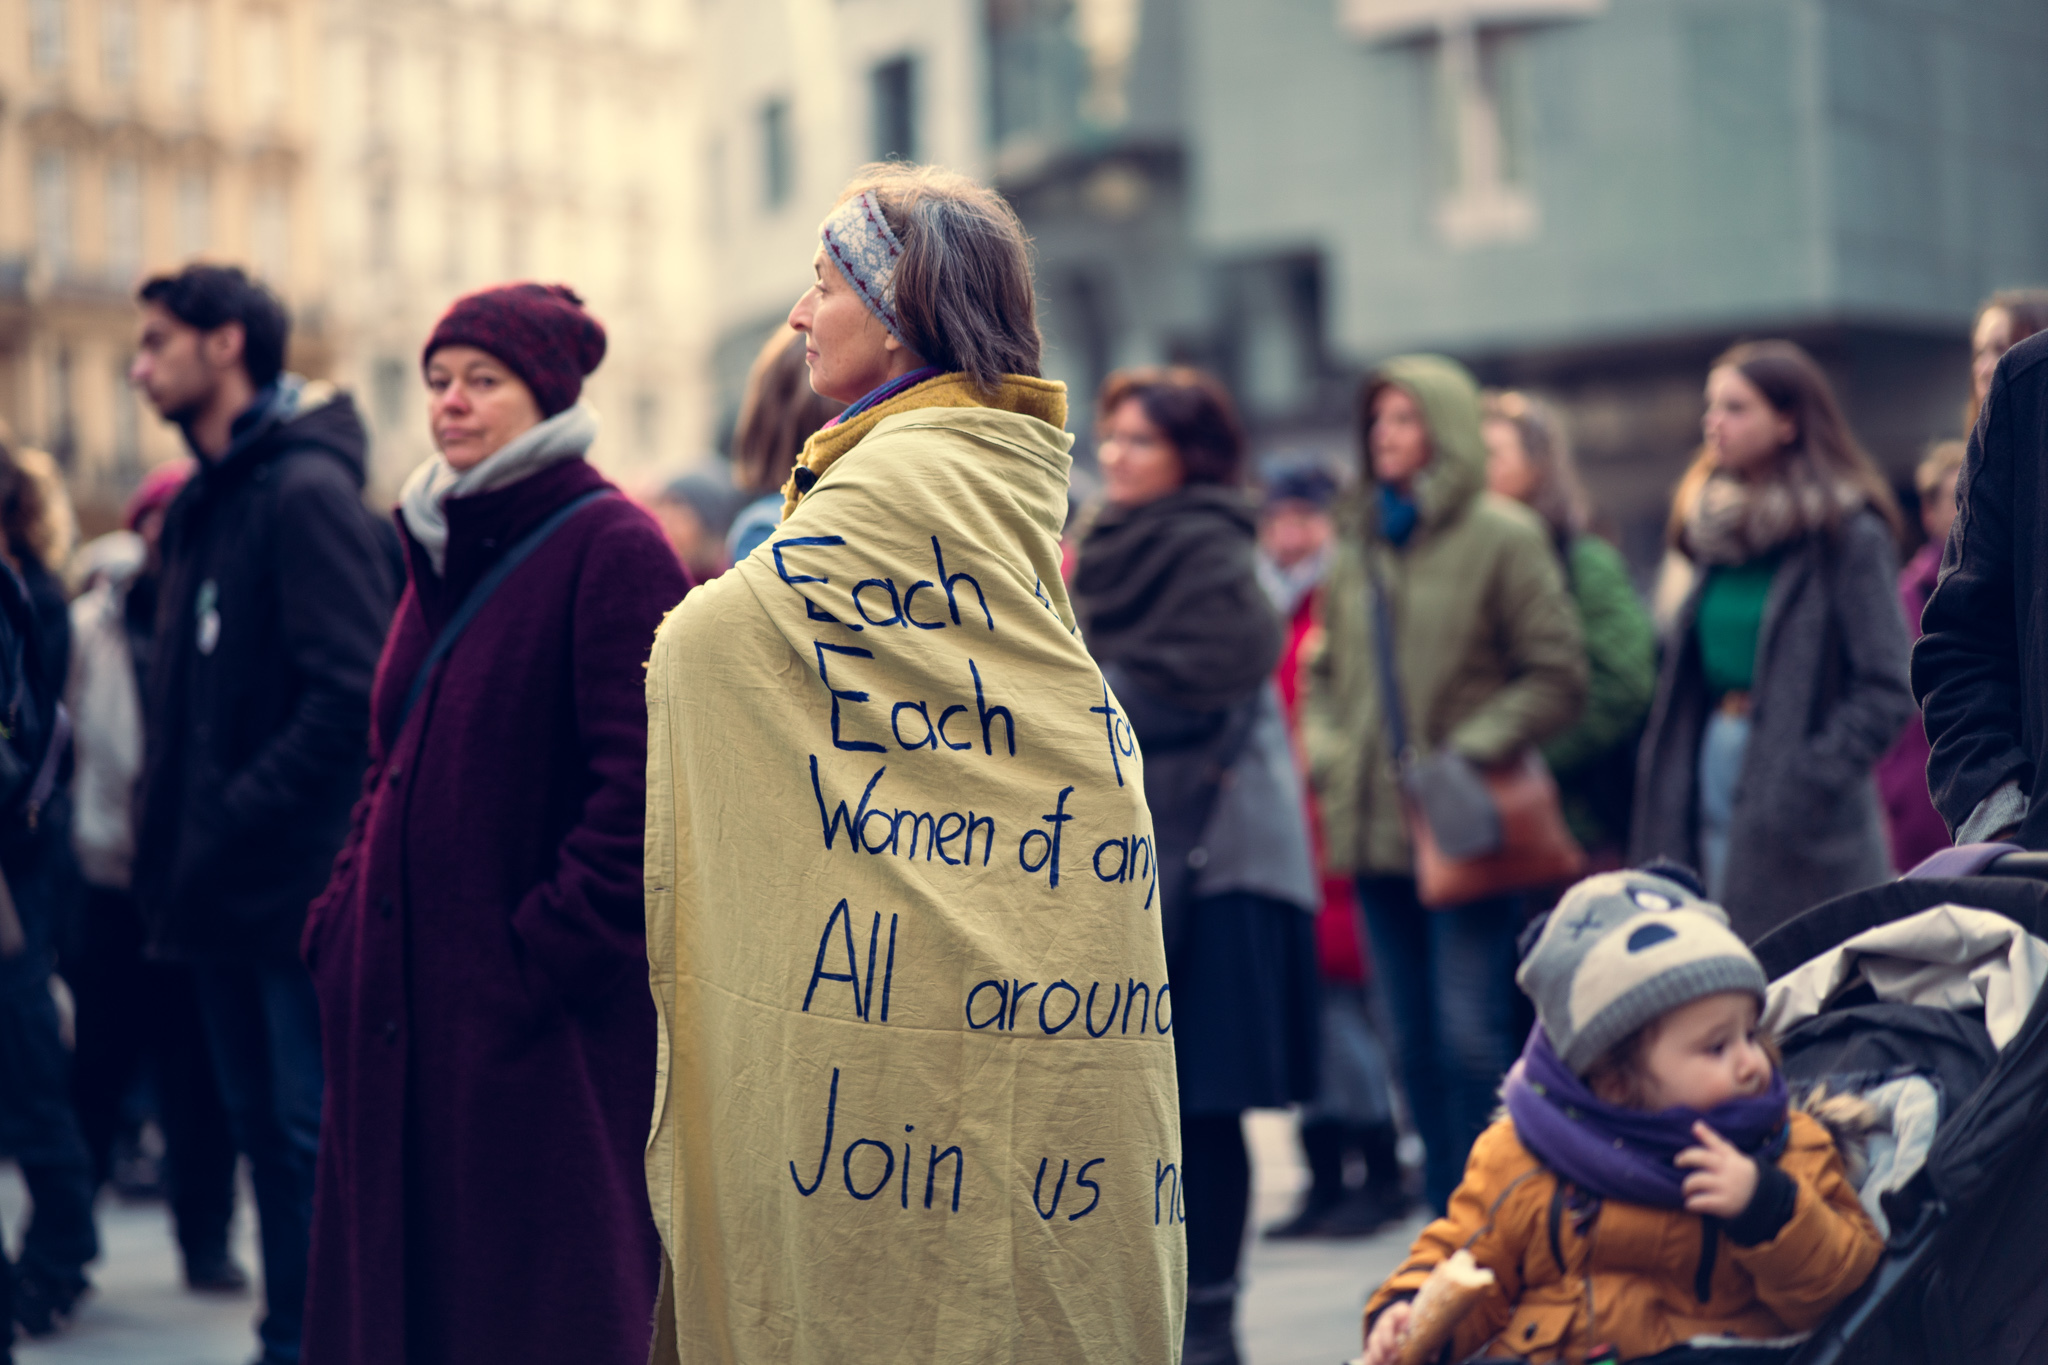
(916, 1099)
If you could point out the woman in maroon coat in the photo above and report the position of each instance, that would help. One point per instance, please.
(479, 953)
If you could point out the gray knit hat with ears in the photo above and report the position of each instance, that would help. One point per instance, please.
(1623, 948)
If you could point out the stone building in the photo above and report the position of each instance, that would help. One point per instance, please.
(476, 141)
(134, 135)
(370, 159)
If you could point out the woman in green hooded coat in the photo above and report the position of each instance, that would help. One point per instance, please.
(1490, 662)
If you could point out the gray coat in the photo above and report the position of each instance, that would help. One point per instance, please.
(1257, 838)
(1830, 696)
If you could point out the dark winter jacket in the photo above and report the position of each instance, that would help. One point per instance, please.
(1168, 592)
(272, 610)
(481, 961)
(35, 855)
(1829, 697)
(1981, 668)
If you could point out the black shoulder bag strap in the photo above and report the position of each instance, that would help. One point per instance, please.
(473, 601)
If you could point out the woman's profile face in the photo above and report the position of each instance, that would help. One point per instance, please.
(1991, 340)
(475, 404)
(1508, 468)
(1399, 441)
(848, 349)
(1139, 463)
(1743, 431)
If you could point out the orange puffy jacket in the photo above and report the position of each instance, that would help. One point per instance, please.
(1636, 1279)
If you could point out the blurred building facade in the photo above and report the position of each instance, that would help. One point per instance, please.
(797, 95)
(1593, 197)
(370, 159)
(476, 141)
(1586, 197)
(136, 134)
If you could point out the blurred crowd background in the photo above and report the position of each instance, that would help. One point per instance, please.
(1583, 199)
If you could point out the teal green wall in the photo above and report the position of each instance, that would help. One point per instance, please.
(1698, 164)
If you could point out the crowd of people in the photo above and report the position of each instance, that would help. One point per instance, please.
(350, 843)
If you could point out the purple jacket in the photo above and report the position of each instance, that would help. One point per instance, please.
(1909, 815)
(481, 963)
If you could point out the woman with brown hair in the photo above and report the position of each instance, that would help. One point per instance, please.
(778, 412)
(1529, 460)
(916, 1096)
(2004, 320)
(1168, 595)
(1785, 676)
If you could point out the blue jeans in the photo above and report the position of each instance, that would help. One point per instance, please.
(1449, 981)
(1723, 743)
(263, 1027)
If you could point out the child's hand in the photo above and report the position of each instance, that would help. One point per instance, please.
(1388, 1333)
(1723, 1180)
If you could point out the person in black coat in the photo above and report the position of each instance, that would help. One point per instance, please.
(1167, 592)
(275, 596)
(38, 1124)
(1980, 669)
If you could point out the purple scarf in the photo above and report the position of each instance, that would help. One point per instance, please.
(882, 393)
(1619, 1153)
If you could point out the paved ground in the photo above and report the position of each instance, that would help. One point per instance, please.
(1301, 1306)
(139, 1312)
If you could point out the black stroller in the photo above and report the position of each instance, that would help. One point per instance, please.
(1964, 1277)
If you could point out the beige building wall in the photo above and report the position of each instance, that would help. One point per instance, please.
(478, 141)
(136, 135)
(771, 176)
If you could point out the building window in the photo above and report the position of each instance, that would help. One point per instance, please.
(270, 234)
(647, 422)
(777, 170)
(62, 435)
(263, 66)
(117, 42)
(127, 428)
(388, 384)
(53, 209)
(894, 87)
(194, 213)
(185, 41)
(124, 220)
(383, 225)
(46, 34)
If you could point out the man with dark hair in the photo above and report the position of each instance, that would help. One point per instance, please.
(274, 601)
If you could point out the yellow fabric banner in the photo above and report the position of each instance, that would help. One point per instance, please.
(917, 1096)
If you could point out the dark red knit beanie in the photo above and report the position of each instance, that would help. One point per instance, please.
(539, 331)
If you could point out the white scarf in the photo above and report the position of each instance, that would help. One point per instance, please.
(423, 500)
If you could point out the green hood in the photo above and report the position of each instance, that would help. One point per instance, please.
(1456, 473)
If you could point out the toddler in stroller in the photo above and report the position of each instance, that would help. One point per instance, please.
(1649, 1185)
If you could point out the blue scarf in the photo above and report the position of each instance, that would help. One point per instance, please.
(882, 393)
(1398, 515)
(1626, 1154)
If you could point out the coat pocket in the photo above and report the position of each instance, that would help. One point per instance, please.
(1537, 1331)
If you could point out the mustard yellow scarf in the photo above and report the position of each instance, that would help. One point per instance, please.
(1045, 399)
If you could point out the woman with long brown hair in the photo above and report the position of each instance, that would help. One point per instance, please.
(1784, 678)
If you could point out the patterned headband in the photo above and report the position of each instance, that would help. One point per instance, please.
(860, 242)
